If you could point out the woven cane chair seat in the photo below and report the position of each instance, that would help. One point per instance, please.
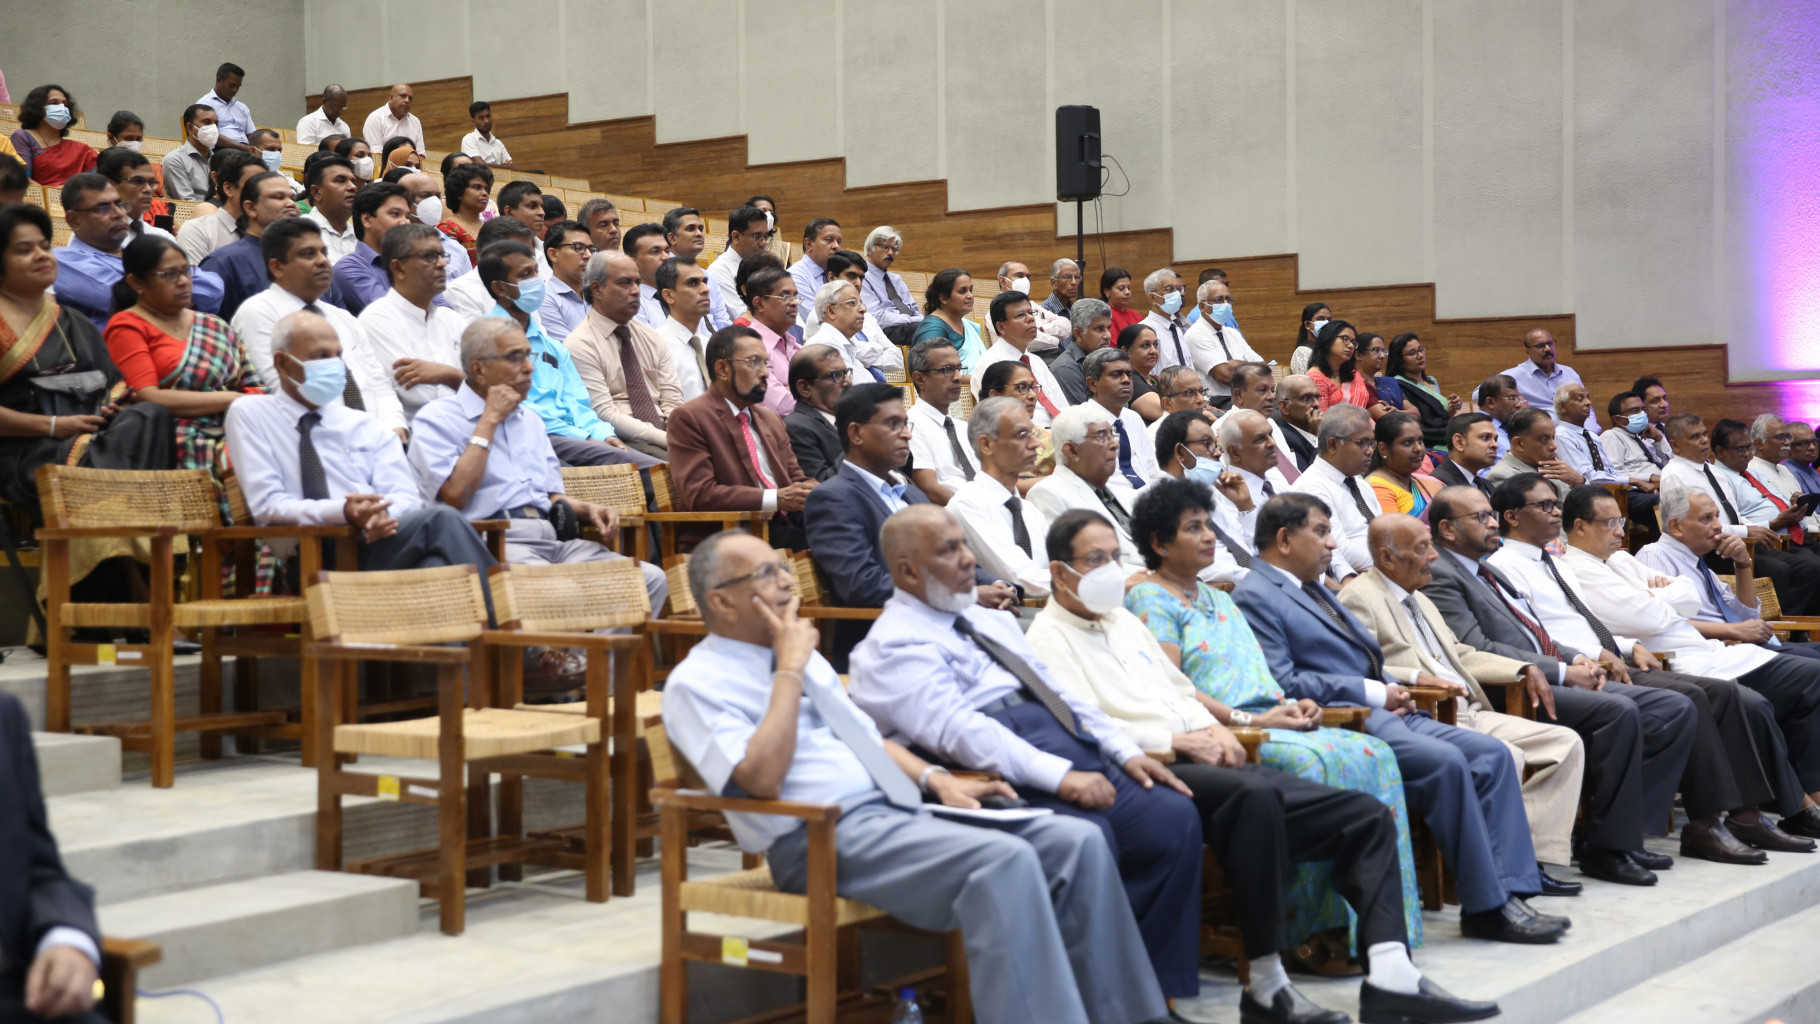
(485, 732)
(574, 598)
(618, 486)
(753, 894)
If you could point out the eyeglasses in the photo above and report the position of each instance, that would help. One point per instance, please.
(1098, 436)
(1020, 388)
(751, 362)
(578, 248)
(1309, 399)
(1783, 438)
(893, 247)
(1208, 446)
(849, 304)
(1547, 507)
(1363, 443)
(1028, 314)
(781, 297)
(518, 357)
(1487, 517)
(171, 275)
(770, 572)
(107, 209)
(431, 258)
(836, 376)
(943, 371)
(1614, 524)
(1204, 394)
(1095, 560)
(146, 182)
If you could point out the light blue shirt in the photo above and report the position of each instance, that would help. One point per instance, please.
(1571, 448)
(878, 301)
(86, 277)
(557, 393)
(358, 456)
(713, 703)
(1670, 557)
(1752, 506)
(889, 493)
(809, 279)
(1538, 388)
(651, 310)
(1804, 475)
(521, 466)
(562, 311)
(236, 121)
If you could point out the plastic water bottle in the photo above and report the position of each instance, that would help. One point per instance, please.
(907, 1011)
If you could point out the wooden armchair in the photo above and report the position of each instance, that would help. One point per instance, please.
(615, 486)
(121, 962)
(423, 616)
(759, 523)
(1769, 607)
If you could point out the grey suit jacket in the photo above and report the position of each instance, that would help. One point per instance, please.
(1481, 619)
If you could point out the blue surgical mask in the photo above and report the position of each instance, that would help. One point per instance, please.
(530, 295)
(324, 380)
(1172, 302)
(1205, 471)
(272, 158)
(1221, 313)
(57, 115)
(1638, 422)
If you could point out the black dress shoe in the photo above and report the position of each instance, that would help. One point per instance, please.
(1556, 887)
(1652, 861)
(1614, 866)
(1806, 823)
(1718, 845)
(1431, 1005)
(1765, 836)
(1286, 1007)
(1512, 922)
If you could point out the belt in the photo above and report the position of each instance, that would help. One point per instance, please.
(524, 512)
(1010, 700)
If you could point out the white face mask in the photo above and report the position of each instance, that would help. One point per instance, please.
(132, 146)
(429, 211)
(363, 168)
(1102, 591)
(1020, 284)
(208, 135)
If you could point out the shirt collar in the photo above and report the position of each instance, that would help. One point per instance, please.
(78, 245)
(1522, 550)
(934, 617)
(471, 402)
(558, 286)
(1681, 551)
(866, 477)
(1471, 565)
(984, 479)
(1683, 460)
(1325, 470)
(1536, 370)
(408, 308)
(533, 331)
(1294, 580)
(1397, 593)
(1064, 617)
(606, 324)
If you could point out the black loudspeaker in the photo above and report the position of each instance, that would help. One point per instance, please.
(1077, 153)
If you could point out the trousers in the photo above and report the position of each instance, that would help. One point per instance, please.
(1791, 683)
(1638, 740)
(434, 535)
(1736, 758)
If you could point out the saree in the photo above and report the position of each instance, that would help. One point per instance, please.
(453, 229)
(1431, 409)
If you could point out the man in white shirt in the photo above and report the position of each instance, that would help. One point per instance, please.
(1013, 318)
(1166, 293)
(1771, 438)
(615, 353)
(942, 458)
(1539, 377)
(1254, 387)
(1337, 477)
(886, 294)
(1576, 446)
(1108, 375)
(480, 143)
(748, 231)
(1052, 331)
(325, 120)
(417, 341)
(332, 186)
(869, 347)
(1251, 456)
(684, 288)
(299, 281)
(1215, 344)
(567, 246)
(1084, 461)
(393, 119)
(685, 236)
(1004, 531)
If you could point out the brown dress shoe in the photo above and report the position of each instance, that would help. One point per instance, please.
(1765, 836)
(1718, 845)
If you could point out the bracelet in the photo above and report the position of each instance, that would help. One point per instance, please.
(923, 782)
(1239, 718)
(53, 431)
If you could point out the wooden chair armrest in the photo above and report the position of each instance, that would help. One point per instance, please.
(706, 517)
(593, 641)
(131, 952)
(1344, 718)
(1251, 739)
(696, 800)
(1429, 694)
(679, 627)
(1165, 756)
(1795, 623)
(1667, 658)
(490, 525)
(300, 532)
(121, 962)
(1517, 701)
(973, 775)
(86, 532)
(824, 611)
(390, 652)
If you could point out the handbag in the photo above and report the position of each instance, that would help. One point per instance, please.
(81, 393)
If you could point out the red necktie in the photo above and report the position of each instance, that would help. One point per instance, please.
(1795, 532)
(1543, 643)
(1041, 399)
(758, 467)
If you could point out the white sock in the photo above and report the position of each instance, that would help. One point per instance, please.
(1268, 978)
(1391, 969)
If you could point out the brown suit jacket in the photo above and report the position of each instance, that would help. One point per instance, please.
(709, 466)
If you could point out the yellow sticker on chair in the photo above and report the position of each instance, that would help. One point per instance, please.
(104, 654)
(733, 950)
(388, 787)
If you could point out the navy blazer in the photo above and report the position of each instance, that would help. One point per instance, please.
(1309, 655)
(1453, 476)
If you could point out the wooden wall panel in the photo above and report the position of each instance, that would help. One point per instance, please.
(624, 157)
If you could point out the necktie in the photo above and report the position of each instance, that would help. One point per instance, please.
(1318, 594)
(1352, 485)
(1239, 553)
(1120, 517)
(309, 466)
(1719, 492)
(758, 468)
(1020, 534)
(1598, 628)
(843, 721)
(1543, 643)
(897, 301)
(1795, 532)
(638, 393)
(1270, 489)
(1041, 399)
(1125, 469)
(1712, 591)
(1291, 472)
(1220, 336)
(1652, 453)
(1175, 335)
(960, 454)
(1592, 448)
(350, 394)
(1030, 677)
(1424, 632)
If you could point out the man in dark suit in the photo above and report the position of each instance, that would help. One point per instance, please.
(818, 376)
(846, 516)
(50, 945)
(728, 452)
(1298, 416)
(1472, 446)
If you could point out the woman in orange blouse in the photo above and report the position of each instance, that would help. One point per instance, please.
(1335, 370)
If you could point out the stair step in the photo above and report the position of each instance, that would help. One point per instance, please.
(76, 764)
(240, 926)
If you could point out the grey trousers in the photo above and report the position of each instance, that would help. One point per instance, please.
(534, 540)
(1049, 933)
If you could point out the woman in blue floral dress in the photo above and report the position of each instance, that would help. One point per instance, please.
(1205, 633)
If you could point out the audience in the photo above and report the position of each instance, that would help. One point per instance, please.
(331, 184)
(1009, 379)
(468, 295)
(1254, 388)
(941, 461)
(523, 201)
(1064, 288)
(202, 234)
(553, 211)
(42, 141)
(821, 239)
(1406, 362)
(1052, 330)
(1532, 450)
(1768, 473)
(1539, 377)
(124, 130)
(772, 297)
(1138, 343)
(885, 292)
(360, 276)
(602, 219)
(393, 120)
(567, 245)
(683, 287)
(1692, 531)
(1085, 449)
(1472, 449)
(1108, 375)
(1298, 418)
(1216, 346)
(1334, 370)
(1178, 388)
(480, 143)
(1165, 292)
(264, 200)
(1635, 447)
(1252, 475)
(626, 366)
(466, 192)
(413, 338)
(947, 304)
(1315, 316)
(840, 313)
(89, 267)
(1091, 323)
(1370, 355)
(876, 353)
(1337, 477)
(1003, 530)
(356, 151)
(325, 120)
(1014, 321)
(1575, 445)
(187, 168)
(136, 183)
(1734, 452)
(425, 197)
(1399, 467)
(818, 376)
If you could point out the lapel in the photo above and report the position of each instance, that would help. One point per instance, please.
(1300, 597)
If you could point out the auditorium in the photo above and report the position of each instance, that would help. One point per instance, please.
(1136, 514)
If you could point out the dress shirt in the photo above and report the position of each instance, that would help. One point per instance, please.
(1690, 474)
(1206, 351)
(1064, 489)
(1522, 565)
(232, 116)
(1052, 332)
(1571, 447)
(724, 272)
(1538, 388)
(1143, 455)
(240, 266)
(651, 311)
(1670, 557)
(459, 263)
(929, 447)
(767, 502)
(1425, 635)
(186, 175)
(1629, 455)
(1752, 506)
(86, 277)
(485, 148)
(1116, 662)
(557, 394)
(360, 278)
(1329, 484)
(199, 236)
(923, 683)
(395, 329)
(1619, 588)
(339, 243)
(1003, 351)
(713, 704)
(469, 298)
(809, 277)
(830, 335)
(358, 456)
(315, 126)
(1781, 483)
(688, 349)
(1503, 444)
(779, 348)
(562, 310)
(595, 349)
(890, 492)
(258, 315)
(878, 300)
(1240, 526)
(521, 466)
(1173, 347)
(381, 125)
(1054, 305)
(980, 506)
(1806, 479)
(870, 345)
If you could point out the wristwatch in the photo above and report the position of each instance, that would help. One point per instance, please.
(923, 783)
(476, 439)
(1239, 718)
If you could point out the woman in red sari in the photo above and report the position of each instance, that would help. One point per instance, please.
(466, 190)
(45, 118)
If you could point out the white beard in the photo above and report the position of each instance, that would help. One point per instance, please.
(942, 599)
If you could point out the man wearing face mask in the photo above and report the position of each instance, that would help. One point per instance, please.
(1086, 456)
(1635, 448)
(186, 169)
(1052, 330)
(1215, 345)
(1165, 290)
(268, 146)
(425, 197)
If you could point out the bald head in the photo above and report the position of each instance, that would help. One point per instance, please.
(903, 532)
(1401, 550)
(927, 552)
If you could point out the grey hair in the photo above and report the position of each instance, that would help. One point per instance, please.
(481, 338)
(1205, 291)
(987, 417)
(1172, 373)
(1084, 312)
(1055, 269)
(1676, 503)
(1004, 269)
(704, 561)
(1232, 435)
(1283, 385)
(1157, 278)
(919, 352)
(883, 233)
(1094, 366)
(398, 242)
(825, 296)
(1070, 426)
(1561, 394)
(1340, 419)
(287, 326)
(1759, 427)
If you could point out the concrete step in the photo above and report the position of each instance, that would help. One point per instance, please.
(1770, 974)
(240, 926)
(76, 764)
(108, 693)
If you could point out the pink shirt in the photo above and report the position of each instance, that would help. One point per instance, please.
(779, 349)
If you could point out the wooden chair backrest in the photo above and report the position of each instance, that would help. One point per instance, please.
(660, 489)
(75, 496)
(682, 599)
(669, 769)
(402, 606)
(617, 486)
(580, 597)
(237, 510)
(1769, 606)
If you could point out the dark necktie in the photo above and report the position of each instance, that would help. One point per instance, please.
(1598, 628)
(1352, 485)
(1175, 335)
(845, 723)
(1220, 336)
(1120, 517)
(954, 443)
(1239, 554)
(350, 393)
(897, 301)
(309, 466)
(1020, 534)
(1125, 469)
(1318, 594)
(1543, 643)
(1719, 492)
(1032, 680)
(638, 393)
(1270, 489)
(1592, 448)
